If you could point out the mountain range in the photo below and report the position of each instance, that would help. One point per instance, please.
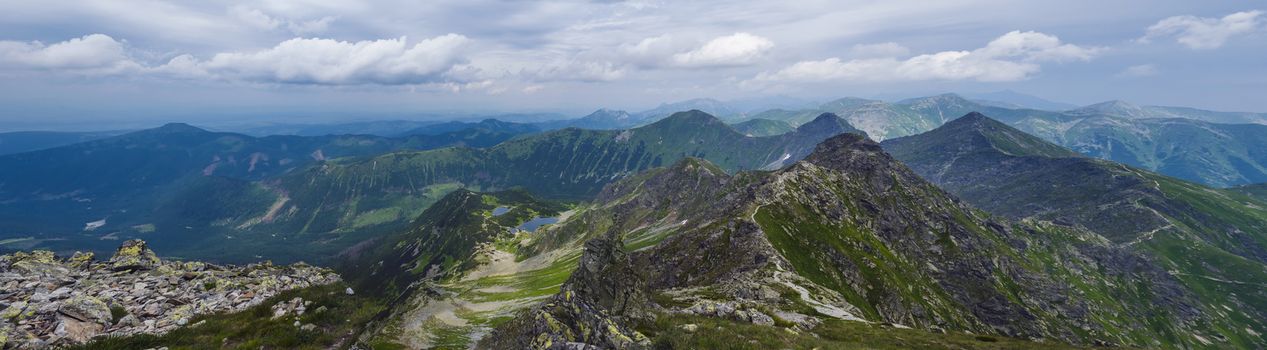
(247, 197)
(26, 141)
(1183, 226)
(957, 224)
(692, 256)
(1186, 143)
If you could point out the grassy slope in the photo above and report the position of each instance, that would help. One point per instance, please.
(253, 328)
(713, 333)
(763, 127)
(1211, 240)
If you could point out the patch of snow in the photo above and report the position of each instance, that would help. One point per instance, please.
(94, 225)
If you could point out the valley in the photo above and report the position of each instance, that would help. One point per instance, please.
(688, 231)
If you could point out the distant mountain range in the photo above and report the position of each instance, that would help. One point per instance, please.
(690, 231)
(1186, 143)
(129, 184)
(1191, 144)
(693, 256)
(177, 178)
(26, 141)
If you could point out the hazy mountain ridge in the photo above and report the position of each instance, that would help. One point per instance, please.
(1214, 154)
(334, 203)
(26, 141)
(129, 184)
(1176, 223)
(1182, 142)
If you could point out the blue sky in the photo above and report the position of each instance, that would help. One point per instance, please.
(92, 64)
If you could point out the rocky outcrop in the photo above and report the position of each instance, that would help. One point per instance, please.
(590, 312)
(49, 301)
(134, 255)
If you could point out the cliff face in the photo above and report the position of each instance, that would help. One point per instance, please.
(846, 234)
(52, 301)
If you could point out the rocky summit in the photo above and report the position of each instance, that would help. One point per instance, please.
(53, 301)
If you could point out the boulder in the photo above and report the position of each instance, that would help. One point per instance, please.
(82, 317)
(80, 260)
(134, 255)
(87, 309)
(39, 262)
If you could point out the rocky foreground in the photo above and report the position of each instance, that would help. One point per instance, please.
(51, 301)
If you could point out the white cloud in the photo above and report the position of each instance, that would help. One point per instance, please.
(733, 50)
(654, 51)
(889, 49)
(1035, 46)
(1138, 71)
(577, 70)
(1203, 33)
(1010, 57)
(534, 88)
(668, 51)
(331, 62)
(254, 17)
(309, 27)
(260, 20)
(94, 53)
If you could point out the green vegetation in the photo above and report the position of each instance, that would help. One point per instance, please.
(763, 127)
(336, 324)
(711, 333)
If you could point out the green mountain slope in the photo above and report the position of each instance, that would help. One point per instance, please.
(486, 125)
(602, 119)
(1123, 109)
(763, 127)
(567, 164)
(334, 204)
(1214, 154)
(1258, 191)
(156, 183)
(1211, 239)
(846, 235)
(26, 141)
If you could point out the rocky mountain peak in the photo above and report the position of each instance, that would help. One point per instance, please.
(693, 116)
(975, 132)
(848, 151)
(824, 119)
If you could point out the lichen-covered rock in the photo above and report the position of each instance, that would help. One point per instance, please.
(39, 262)
(134, 255)
(82, 317)
(87, 309)
(80, 260)
(48, 302)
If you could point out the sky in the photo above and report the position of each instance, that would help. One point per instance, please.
(84, 64)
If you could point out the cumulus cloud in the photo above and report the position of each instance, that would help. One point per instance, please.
(1138, 71)
(331, 62)
(1013, 56)
(94, 53)
(1203, 33)
(733, 50)
(737, 49)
